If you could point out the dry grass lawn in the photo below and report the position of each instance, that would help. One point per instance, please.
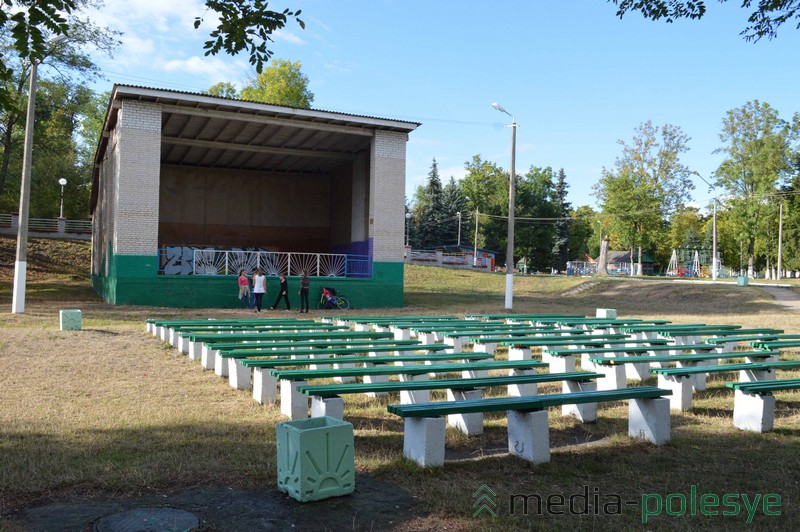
(110, 411)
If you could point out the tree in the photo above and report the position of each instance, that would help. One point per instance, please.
(534, 236)
(223, 89)
(429, 211)
(486, 186)
(281, 84)
(660, 183)
(67, 62)
(581, 232)
(758, 150)
(768, 16)
(454, 204)
(561, 207)
(244, 25)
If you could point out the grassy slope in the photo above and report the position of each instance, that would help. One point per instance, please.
(110, 410)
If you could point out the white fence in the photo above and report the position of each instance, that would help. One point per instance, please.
(450, 260)
(47, 227)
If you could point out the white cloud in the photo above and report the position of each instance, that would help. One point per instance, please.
(338, 66)
(213, 67)
(287, 36)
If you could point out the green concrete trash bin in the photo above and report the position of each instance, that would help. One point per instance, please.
(741, 280)
(315, 458)
(70, 320)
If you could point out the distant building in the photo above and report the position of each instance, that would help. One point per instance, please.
(619, 262)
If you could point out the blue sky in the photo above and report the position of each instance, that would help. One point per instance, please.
(576, 78)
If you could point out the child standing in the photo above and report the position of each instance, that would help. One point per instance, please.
(244, 290)
(259, 287)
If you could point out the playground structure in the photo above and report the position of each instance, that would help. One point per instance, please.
(692, 263)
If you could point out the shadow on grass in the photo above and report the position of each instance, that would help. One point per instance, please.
(226, 474)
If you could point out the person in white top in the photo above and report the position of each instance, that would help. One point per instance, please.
(259, 287)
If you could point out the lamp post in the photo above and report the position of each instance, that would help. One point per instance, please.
(62, 182)
(713, 229)
(408, 223)
(21, 262)
(511, 192)
(475, 252)
(458, 215)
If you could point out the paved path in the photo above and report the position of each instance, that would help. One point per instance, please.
(784, 296)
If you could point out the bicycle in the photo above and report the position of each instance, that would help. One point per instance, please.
(329, 299)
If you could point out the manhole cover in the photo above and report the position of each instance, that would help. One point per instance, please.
(148, 520)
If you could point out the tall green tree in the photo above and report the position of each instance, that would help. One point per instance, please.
(758, 158)
(650, 164)
(584, 237)
(454, 206)
(533, 238)
(430, 212)
(764, 20)
(282, 83)
(561, 209)
(486, 186)
(67, 63)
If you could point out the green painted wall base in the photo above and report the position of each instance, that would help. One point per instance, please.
(133, 280)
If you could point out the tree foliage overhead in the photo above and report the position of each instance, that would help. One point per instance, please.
(282, 83)
(764, 20)
(245, 25)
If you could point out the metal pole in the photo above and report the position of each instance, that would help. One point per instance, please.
(61, 215)
(21, 263)
(780, 241)
(475, 252)
(458, 215)
(511, 194)
(714, 264)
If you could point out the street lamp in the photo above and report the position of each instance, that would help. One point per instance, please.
(511, 193)
(713, 229)
(62, 182)
(458, 215)
(21, 262)
(408, 223)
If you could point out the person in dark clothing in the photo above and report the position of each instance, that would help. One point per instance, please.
(305, 284)
(283, 292)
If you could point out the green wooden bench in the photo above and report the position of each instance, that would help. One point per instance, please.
(781, 343)
(528, 428)
(614, 367)
(680, 381)
(201, 344)
(326, 400)
(754, 403)
(295, 405)
(236, 366)
(161, 328)
(178, 336)
(487, 343)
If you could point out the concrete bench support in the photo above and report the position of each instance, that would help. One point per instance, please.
(423, 440)
(265, 386)
(414, 396)
(344, 380)
(220, 364)
(469, 424)
(585, 412)
(327, 406)
(753, 412)
(484, 348)
(613, 376)
(681, 387)
(375, 379)
(648, 419)
(519, 353)
(195, 350)
(238, 374)
(559, 364)
(293, 403)
(207, 358)
(753, 375)
(456, 341)
(529, 435)
(521, 390)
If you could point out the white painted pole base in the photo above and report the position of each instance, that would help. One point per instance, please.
(20, 277)
(529, 435)
(423, 440)
(510, 289)
(648, 419)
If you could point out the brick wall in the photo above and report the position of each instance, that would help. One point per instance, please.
(387, 195)
(137, 186)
